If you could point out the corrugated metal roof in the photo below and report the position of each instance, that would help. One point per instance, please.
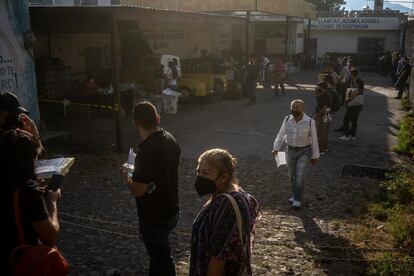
(123, 6)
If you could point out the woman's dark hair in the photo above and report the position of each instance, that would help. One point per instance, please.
(18, 152)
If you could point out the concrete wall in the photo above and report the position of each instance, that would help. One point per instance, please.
(176, 38)
(17, 72)
(275, 41)
(347, 41)
(409, 52)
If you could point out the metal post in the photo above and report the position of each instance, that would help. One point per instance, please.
(247, 35)
(115, 82)
(287, 38)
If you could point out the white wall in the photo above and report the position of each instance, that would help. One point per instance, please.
(17, 72)
(347, 41)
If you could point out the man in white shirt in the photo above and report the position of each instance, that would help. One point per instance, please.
(298, 134)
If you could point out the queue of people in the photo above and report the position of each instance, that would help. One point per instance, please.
(154, 184)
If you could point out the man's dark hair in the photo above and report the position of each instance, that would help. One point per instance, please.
(329, 79)
(145, 115)
(360, 84)
(323, 85)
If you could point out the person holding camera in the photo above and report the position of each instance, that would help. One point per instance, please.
(20, 146)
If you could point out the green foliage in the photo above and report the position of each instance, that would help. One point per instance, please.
(327, 5)
(395, 205)
(378, 211)
(398, 190)
(401, 227)
(387, 267)
(406, 136)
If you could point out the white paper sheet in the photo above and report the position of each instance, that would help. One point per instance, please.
(46, 168)
(280, 158)
(131, 157)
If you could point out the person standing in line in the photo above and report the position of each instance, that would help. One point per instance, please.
(403, 77)
(172, 76)
(219, 244)
(280, 77)
(251, 79)
(323, 115)
(395, 62)
(20, 145)
(298, 132)
(354, 102)
(336, 103)
(154, 183)
(343, 77)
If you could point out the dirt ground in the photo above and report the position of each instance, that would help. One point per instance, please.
(328, 236)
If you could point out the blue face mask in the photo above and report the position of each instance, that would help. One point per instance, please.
(205, 186)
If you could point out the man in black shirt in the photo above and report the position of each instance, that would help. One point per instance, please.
(154, 183)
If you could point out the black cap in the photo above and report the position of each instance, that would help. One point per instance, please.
(10, 104)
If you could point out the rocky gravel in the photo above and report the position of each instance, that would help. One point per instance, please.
(328, 236)
(99, 221)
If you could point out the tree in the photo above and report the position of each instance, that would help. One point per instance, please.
(327, 5)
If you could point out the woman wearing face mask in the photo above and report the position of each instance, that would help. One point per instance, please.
(217, 248)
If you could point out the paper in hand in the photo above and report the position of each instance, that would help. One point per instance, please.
(130, 164)
(280, 158)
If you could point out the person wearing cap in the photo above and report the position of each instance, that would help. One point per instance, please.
(19, 147)
(14, 116)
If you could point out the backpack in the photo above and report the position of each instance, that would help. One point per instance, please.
(34, 260)
(335, 101)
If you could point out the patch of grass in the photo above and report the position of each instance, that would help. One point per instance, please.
(401, 227)
(397, 190)
(395, 206)
(387, 267)
(378, 211)
(406, 136)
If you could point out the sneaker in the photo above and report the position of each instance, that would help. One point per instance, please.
(353, 138)
(345, 138)
(296, 204)
(291, 200)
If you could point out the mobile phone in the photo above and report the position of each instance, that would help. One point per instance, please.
(55, 183)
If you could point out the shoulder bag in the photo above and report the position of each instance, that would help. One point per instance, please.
(243, 268)
(34, 260)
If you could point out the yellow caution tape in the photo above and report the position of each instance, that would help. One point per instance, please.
(66, 102)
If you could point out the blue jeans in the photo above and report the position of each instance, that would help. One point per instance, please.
(155, 238)
(297, 163)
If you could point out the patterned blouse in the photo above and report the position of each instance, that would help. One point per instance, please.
(215, 234)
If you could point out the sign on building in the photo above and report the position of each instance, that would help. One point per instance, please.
(358, 23)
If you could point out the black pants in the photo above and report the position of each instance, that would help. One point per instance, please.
(351, 116)
(155, 238)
